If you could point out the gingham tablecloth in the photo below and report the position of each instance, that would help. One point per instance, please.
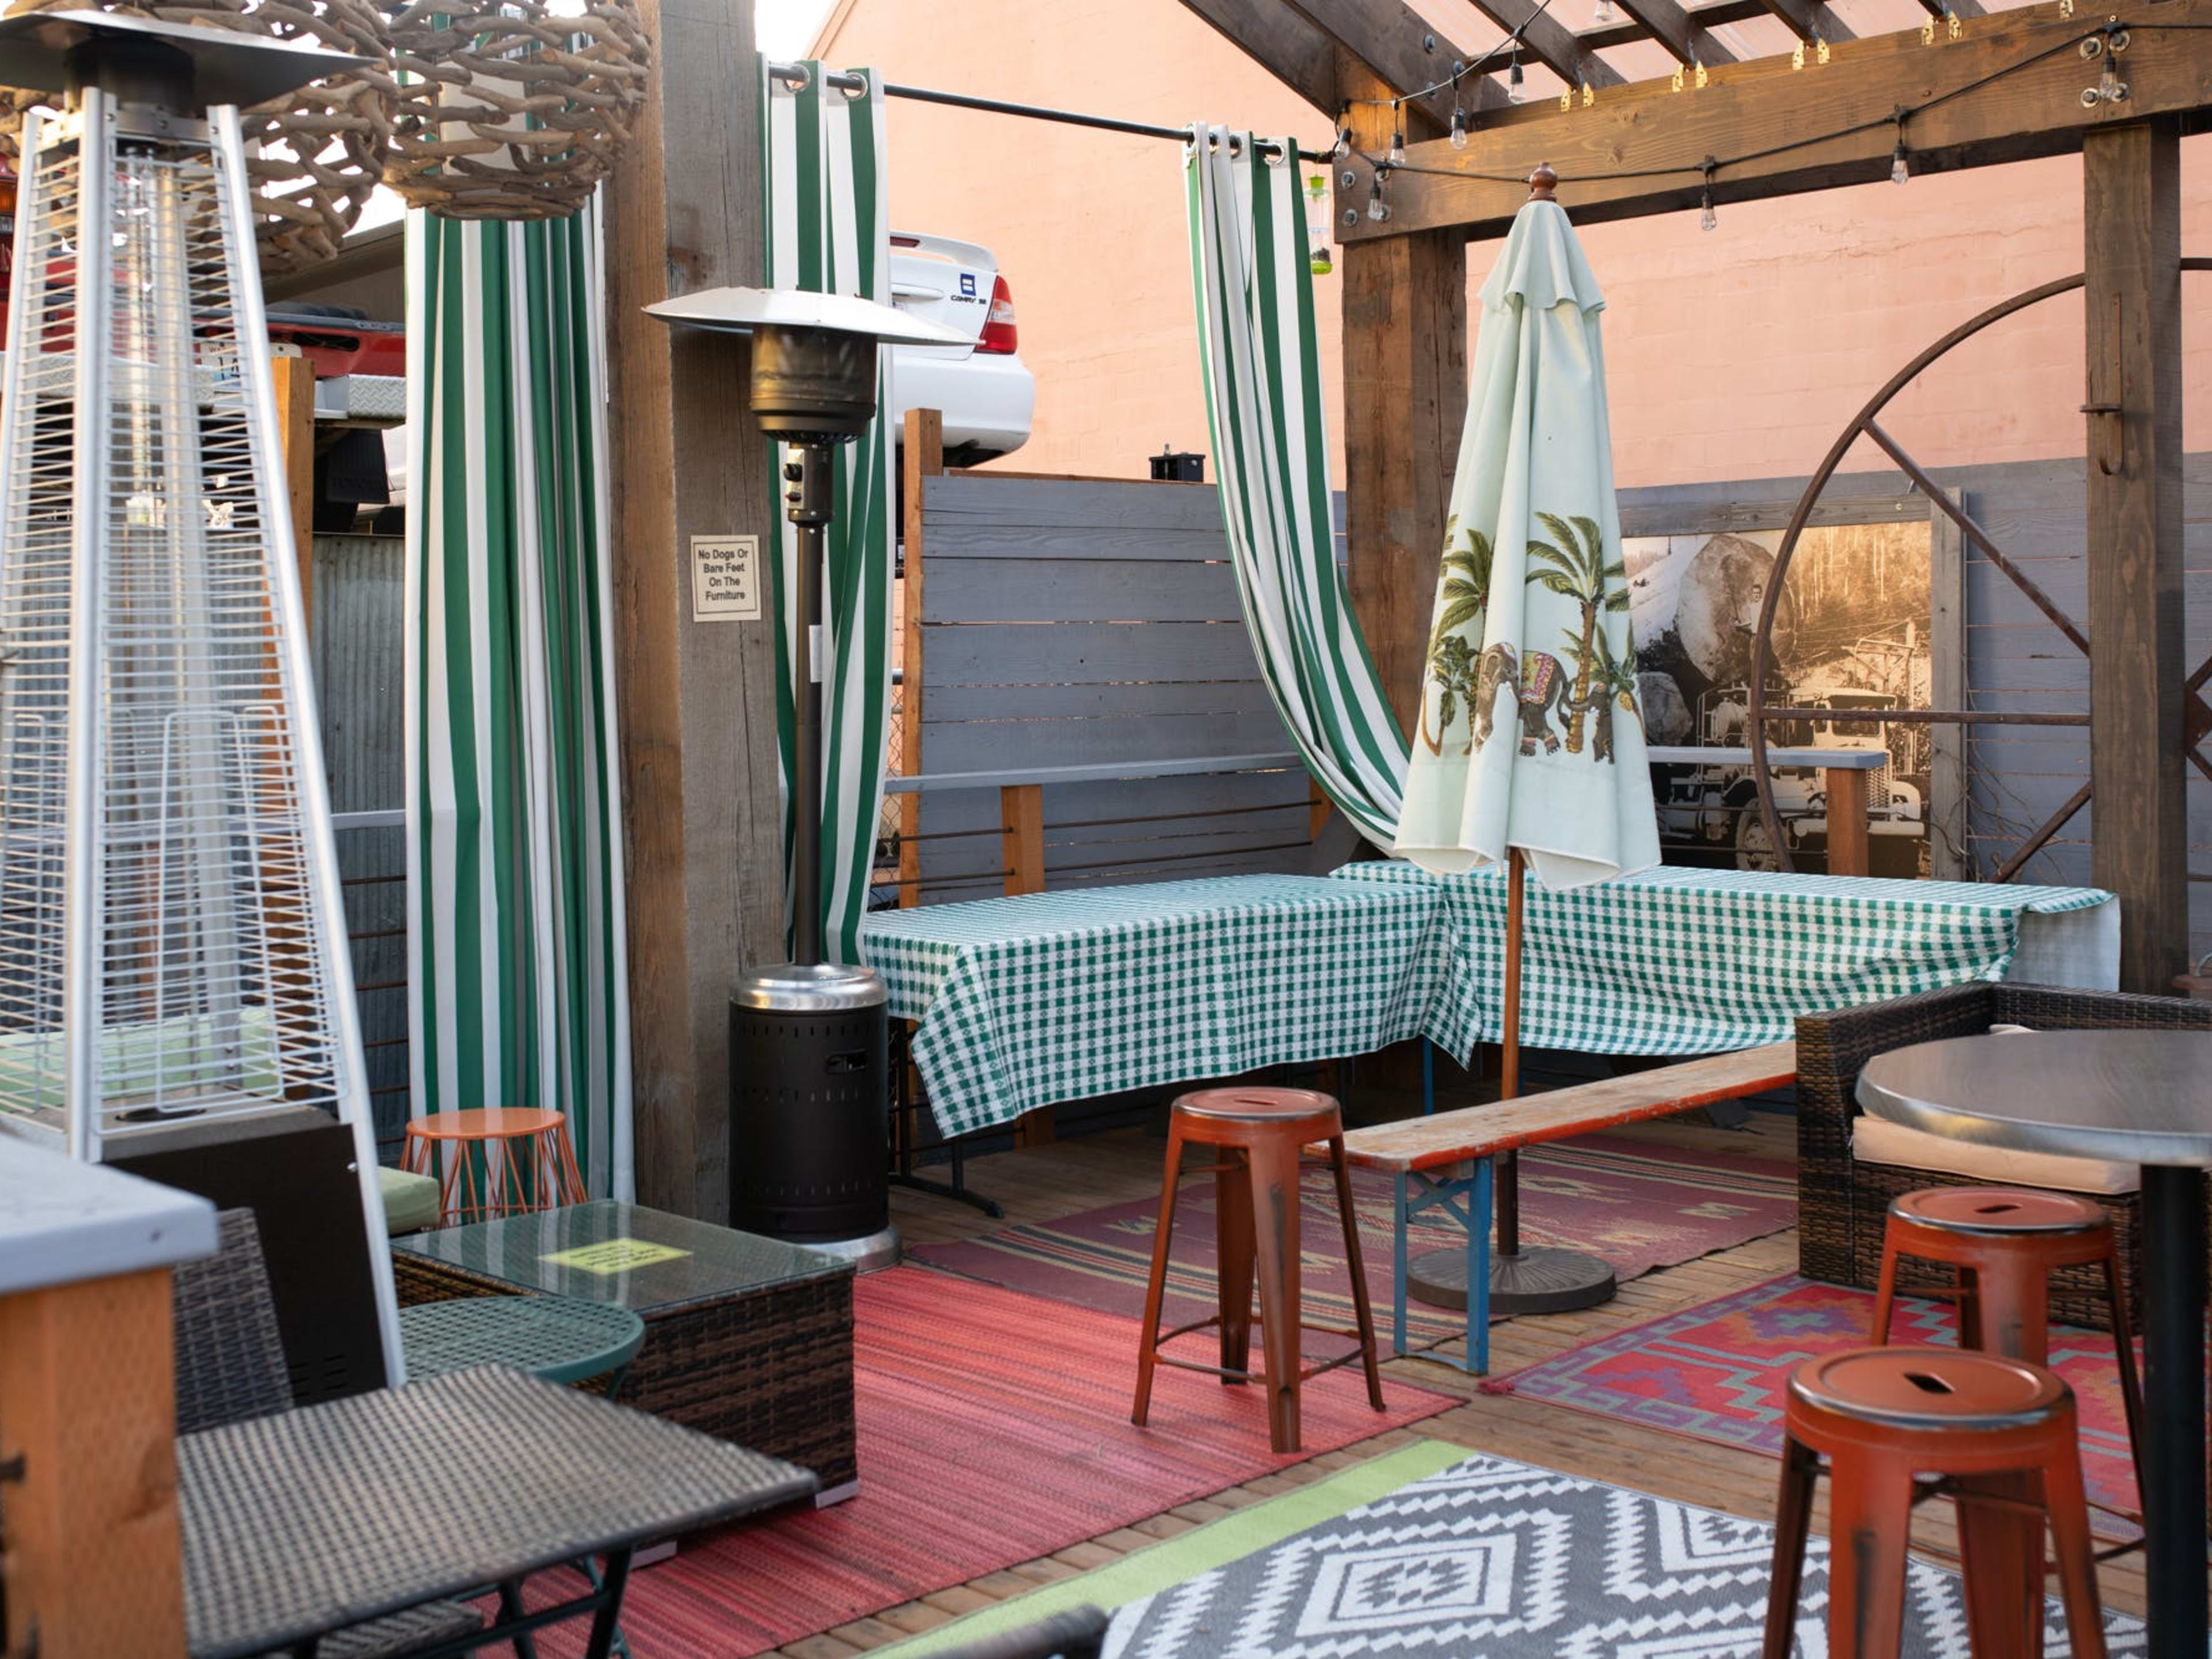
(1060, 996)
(1684, 960)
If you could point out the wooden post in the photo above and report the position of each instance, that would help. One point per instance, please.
(1021, 814)
(1946, 807)
(1318, 807)
(702, 823)
(2131, 176)
(296, 426)
(923, 459)
(1405, 398)
(94, 1558)
(1846, 787)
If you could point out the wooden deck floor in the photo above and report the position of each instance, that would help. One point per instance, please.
(1045, 1182)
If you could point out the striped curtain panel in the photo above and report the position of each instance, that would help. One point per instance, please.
(1250, 267)
(518, 980)
(828, 232)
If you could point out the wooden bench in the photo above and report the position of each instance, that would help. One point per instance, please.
(1429, 1150)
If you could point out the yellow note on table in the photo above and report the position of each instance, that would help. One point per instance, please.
(614, 1256)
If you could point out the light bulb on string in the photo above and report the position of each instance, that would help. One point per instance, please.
(1899, 171)
(1707, 219)
(1458, 128)
(1515, 92)
(1604, 17)
(1397, 154)
(2111, 90)
(1377, 208)
(1343, 146)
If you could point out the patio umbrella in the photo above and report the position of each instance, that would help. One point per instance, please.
(1531, 747)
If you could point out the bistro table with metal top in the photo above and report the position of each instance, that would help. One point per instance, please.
(560, 1338)
(304, 1522)
(2136, 1097)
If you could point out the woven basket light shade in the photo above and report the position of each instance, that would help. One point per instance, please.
(313, 157)
(513, 109)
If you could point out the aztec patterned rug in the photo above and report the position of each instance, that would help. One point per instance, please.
(1716, 1371)
(994, 1429)
(1493, 1558)
(1639, 1204)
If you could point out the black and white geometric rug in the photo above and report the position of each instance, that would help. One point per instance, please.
(1495, 1559)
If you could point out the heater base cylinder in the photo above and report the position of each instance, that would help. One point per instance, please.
(809, 1098)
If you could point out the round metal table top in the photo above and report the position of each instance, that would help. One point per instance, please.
(560, 1338)
(2134, 1097)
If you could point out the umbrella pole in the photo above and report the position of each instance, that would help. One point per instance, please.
(1543, 1280)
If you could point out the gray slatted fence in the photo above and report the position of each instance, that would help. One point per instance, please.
(1070, 622)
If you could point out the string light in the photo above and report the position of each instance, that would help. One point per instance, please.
(1343, 146)
(1378, 209)
(1458, 117)
(1397, 156)
(1707, 219)
(1605, 16)
(1899, 171)
(1515, 92)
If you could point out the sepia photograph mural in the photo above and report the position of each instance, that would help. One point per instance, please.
(1851, 638)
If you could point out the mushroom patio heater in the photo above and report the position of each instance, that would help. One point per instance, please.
(810, 1068)
(173, 964)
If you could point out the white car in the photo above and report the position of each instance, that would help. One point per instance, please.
(985, 392)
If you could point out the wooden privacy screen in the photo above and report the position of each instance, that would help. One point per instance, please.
(1070, 622)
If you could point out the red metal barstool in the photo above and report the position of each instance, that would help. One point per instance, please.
(2003, 1244)
(1998, 1433)
(1256, 1134)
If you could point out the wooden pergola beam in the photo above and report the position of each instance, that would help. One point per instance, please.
(1404, 51)
(1642, 148)
(1936, 8)
(1809, 19)
(1551, 44)
(1670, 25)
(1279, 40)
(1712, 15)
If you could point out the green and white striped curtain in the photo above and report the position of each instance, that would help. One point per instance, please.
(1251, 271)
(517, 979)
(828, 232)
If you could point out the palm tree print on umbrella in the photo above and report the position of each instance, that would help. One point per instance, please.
(1613, 679)
(1576, 569)
(1466, 596)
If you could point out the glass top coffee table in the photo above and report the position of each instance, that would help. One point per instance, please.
(746, 1337)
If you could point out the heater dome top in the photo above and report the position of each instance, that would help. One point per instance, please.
(742, 310)
(229, 68)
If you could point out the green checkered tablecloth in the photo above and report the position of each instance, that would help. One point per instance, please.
(1683, 961)
(1060, 996)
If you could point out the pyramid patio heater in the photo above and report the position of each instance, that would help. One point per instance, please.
(175, 993)
(810, 1070)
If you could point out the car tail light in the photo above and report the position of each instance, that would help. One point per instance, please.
(998, 333)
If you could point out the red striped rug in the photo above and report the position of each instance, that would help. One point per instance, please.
(994, 1429)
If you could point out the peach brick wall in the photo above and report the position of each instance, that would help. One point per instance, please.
(1733, 355)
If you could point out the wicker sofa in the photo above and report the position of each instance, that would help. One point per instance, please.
(1843, 1201)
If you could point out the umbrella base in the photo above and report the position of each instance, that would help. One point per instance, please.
(1537, 1281)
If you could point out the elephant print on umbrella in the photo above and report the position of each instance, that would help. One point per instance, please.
(1540, 687)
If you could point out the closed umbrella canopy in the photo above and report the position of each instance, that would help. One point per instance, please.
(1530, 734)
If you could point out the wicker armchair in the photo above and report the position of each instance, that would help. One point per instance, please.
(1843, 1204)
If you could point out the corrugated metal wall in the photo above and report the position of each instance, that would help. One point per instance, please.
(357, 635)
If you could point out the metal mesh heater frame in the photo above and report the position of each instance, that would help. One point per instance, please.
(172, 941)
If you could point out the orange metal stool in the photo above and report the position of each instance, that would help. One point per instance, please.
(1998, 1433)
(1256, 1134)
(2003, 1242)
(496, 1160)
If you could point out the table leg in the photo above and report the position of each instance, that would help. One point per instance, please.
(510, 1609)
(606, 1622)
(1428, 1077)
(1398, 1270)
(2174, 1410)
(1477, 1270)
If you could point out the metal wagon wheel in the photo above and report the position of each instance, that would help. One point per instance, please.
(1866, 423)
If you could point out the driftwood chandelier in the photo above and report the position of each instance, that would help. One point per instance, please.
(513, 109)
(313, 155)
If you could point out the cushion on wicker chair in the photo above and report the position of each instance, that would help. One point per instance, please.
(1876, 1140)
(411, 1201)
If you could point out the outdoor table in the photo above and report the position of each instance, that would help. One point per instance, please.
(747, 1338)
(305, 1522)
(1022, 1002)
(560, 1338)
(1680, 961)
(480, 1156)
(2136, 1097)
